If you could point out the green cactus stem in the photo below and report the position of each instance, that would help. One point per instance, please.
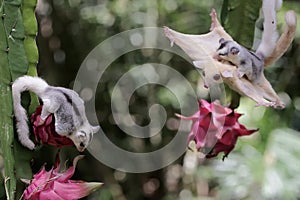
(18, 56)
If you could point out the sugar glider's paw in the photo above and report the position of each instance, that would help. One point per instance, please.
(30, 145)
(169, 35)
(280, 104)
(240, 74)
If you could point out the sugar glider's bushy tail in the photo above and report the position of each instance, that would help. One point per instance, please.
(25, 83)
(270, 34)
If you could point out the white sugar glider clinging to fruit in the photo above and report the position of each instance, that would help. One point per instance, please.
(66, 105)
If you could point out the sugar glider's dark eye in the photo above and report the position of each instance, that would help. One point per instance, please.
(234, 50)
(217, 77)
(83, 132)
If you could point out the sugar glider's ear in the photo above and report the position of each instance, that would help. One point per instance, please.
(221, 40)
(95, 129)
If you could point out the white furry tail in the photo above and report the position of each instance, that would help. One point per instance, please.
(25, 83)
(270, 35)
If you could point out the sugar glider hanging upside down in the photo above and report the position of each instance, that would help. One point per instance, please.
(66, 105)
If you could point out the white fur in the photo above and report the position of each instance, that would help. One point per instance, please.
(291, 18)
(36, 85)
(278, 4)
(270, 35)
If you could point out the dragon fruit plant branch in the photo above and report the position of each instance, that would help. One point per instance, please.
(13, 63)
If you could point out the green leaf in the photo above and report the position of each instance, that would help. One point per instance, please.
(239, 17)
(13, 25)
(30, 24)
(22, 154)
(30, 27)
(6, 109)
(18, 56)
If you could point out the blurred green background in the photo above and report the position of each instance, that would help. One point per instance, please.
(263, 166)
